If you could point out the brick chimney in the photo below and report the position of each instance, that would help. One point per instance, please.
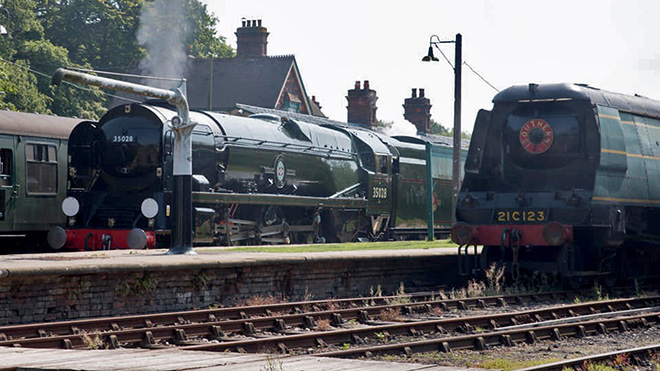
(362, 105)
(251, 39)
(417, 110)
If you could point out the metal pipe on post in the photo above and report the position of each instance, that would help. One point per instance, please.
(456, 168)
(182, 162)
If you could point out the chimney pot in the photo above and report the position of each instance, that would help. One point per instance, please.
(243, 23)
(418, 110)
(314, 98)
(362, 105)
(251, 40)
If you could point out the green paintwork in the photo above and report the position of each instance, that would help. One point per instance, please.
(322, 175)
(26, 212)
(411, 210)
(380, 195)
(629, 159)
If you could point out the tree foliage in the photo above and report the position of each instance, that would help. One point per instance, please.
(438, 129)
(96, 34)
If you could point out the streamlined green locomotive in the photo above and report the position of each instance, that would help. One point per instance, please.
(563, 179)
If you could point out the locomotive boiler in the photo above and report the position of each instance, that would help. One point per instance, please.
(563, 179)
(263, 179)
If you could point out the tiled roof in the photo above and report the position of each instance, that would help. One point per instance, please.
(256, 81)
(316, 109)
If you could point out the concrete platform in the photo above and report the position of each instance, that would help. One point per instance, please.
(51, 287)
(174, 359)
(74, 263)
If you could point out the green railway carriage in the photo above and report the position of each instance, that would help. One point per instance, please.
(33, 153)
(409, 187)
(563, 179)
(273, 177)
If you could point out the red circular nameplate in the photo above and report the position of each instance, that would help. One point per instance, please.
(536, 136)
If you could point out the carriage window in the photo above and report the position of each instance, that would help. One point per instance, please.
(6, 159)
(41, 168)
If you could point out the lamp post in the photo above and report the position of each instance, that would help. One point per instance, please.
(458, 62)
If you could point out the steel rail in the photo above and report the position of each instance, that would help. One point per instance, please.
(635, 353)
(235, 313)
(213, 328)
(507, 338)
(464, 324)
(180, 333)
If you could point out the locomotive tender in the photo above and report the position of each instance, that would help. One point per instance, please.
(263, 179)
(563, 179)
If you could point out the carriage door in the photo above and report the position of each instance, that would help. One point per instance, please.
(6, 183)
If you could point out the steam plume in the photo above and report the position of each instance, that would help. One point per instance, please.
(163, 33)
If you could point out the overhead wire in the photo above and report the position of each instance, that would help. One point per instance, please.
(470, 67)
(481, 77)
(39, 73)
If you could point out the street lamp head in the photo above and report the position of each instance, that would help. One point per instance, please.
(429, 57)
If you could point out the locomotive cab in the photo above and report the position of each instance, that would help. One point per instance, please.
(376, 171)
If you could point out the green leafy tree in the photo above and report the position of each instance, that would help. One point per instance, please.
(439, 129)
(27, 60)
(103, 33)
(99, 34)
(383, 124)
(205, 43)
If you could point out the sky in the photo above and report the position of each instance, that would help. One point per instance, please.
(613, 45)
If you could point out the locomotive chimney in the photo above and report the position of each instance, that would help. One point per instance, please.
(251, 39)
(362, 105)
(417, 110)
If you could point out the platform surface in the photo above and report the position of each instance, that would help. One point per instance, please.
(73, 263)
(175, 359)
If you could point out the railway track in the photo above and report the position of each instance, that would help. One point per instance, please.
(220, 330)
(219, 323)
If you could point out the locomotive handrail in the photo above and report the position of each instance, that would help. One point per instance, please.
(346, 190)
(283, 144)
(211, 198)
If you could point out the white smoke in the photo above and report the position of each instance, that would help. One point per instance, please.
(163, 33)
(401, 128)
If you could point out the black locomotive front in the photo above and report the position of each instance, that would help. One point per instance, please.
(529, 176)
(115, 181)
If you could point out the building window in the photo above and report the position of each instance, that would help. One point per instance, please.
(6, 160)
(291, 103)
(41, 168)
